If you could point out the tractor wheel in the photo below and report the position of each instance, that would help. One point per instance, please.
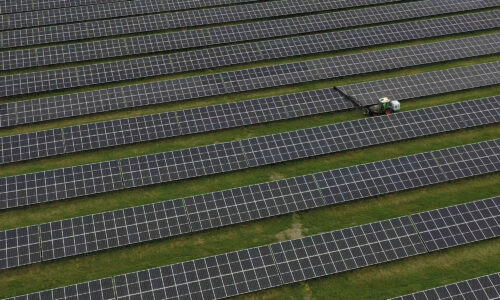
(388, 111)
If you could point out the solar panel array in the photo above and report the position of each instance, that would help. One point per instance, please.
(13, 6)
(189, 121)
(104, 10)
(483, 287)
(70, 182)
(253, 269)
(311, 257)
(67, 105)
(451, 226)
(113, 229)
(425, 84)
(174, 20)
(101, 289)
(347, 249)
(245, 32)
(150, 127)
(228, 55)
(115, 29)
(123, 227)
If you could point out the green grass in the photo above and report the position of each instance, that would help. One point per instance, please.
(377, 282)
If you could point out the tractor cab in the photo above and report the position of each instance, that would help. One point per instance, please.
(385, 106)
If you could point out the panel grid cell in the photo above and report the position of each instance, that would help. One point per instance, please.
(77, 181)
(228, 55)
(174, 20)
(60, 54)
(245, 80)
(483, 287)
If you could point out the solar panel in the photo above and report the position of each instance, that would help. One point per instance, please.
(408, 172)
(101, 289)
(346, 249)
(20, 246)
(251, 31)
(130, 172)
(174, 20)
(13, 6)
(214, 277)
(483, 287)
(253, 202)
(150, 127)
(69, 182)
(35, 144)
(218, 57)
(104, 10)
(355, 134)
(425, 84)
(113, 229)
(182, 164)
(67, 105)
(239, 272)
(458, 225)
(169, 218)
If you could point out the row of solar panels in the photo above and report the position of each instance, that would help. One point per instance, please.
(66, 53)
(103, 10)
(70, 182)
(174, 20)
(484, 287)
(425, 84)
(249, 270)
(137, 68)
(104, 134)
(89, 102)
(79, 235)
(13, 6)
(19, 6)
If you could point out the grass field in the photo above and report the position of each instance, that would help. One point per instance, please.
(377, 282)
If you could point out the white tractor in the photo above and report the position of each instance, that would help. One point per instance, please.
(385, 106)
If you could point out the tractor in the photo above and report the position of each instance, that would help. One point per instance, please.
(385, 106)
